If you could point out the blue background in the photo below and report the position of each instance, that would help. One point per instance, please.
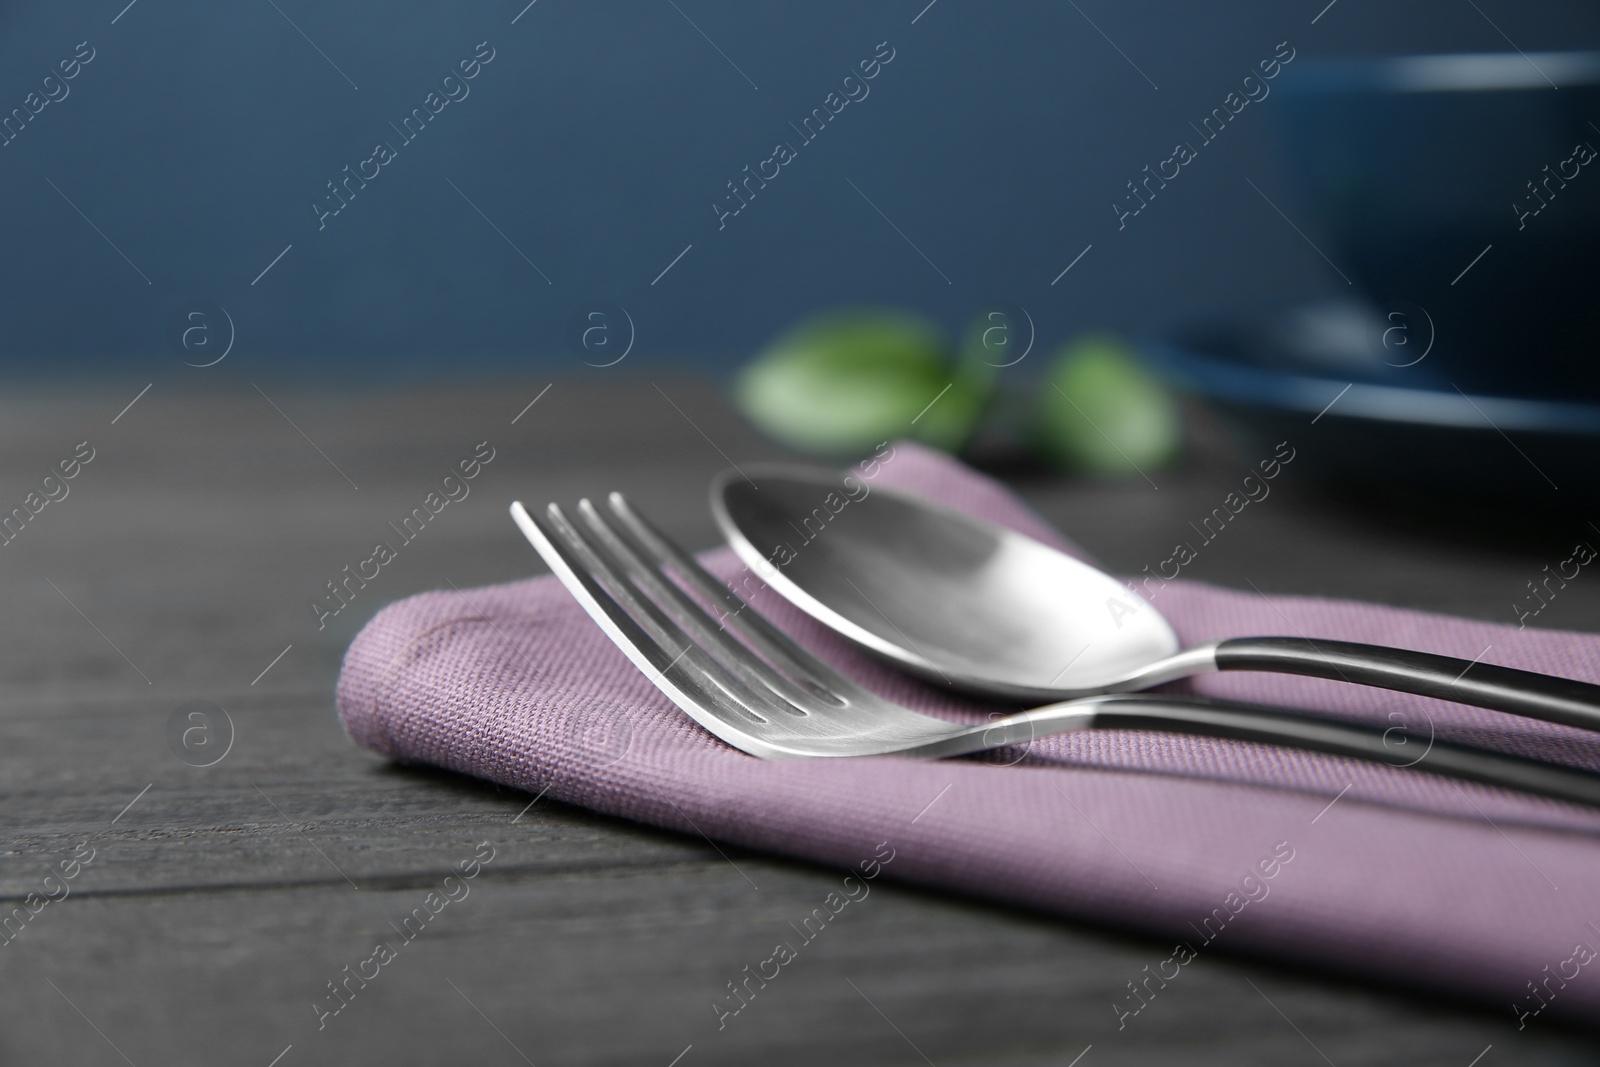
(597, 141)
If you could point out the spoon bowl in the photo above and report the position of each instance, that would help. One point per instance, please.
(952, 598)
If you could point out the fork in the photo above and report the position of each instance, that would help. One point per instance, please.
(770, 697)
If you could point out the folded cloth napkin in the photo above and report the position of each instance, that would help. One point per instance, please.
(1219, 845)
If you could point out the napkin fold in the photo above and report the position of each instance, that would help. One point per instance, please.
(1214, 844)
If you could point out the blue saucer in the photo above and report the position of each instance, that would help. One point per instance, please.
(1366, 397)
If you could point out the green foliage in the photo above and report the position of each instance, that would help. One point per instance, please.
(841, 383)
(1100, 413)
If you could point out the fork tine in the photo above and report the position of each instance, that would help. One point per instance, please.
(689, 678)
(820, 678)
(655, 618)
(643, 567)
(755, 720)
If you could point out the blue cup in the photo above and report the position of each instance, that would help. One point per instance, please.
(1468, 186)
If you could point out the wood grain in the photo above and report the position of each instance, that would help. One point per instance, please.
(220, 905)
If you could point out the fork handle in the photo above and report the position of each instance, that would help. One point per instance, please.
(1244, 722)
(1484, 685)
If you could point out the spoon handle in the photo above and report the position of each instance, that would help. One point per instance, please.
(1484, 685)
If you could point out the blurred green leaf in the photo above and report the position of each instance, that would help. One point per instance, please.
(1101, 413)
(841, 383)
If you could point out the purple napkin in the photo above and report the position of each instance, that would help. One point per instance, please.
(1214, 844)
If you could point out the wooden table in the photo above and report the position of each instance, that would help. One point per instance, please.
(221, 901)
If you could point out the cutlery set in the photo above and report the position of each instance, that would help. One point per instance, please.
(967, 604)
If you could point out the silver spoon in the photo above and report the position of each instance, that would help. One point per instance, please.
(973, 605)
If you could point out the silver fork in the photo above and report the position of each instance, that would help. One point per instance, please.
(771, 698)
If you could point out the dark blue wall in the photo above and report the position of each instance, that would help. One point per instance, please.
(599, 138)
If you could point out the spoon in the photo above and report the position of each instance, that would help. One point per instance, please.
(976, 606)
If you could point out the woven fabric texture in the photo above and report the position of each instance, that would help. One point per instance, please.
(1408, 876)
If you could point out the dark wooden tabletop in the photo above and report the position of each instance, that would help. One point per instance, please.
(222, 901)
